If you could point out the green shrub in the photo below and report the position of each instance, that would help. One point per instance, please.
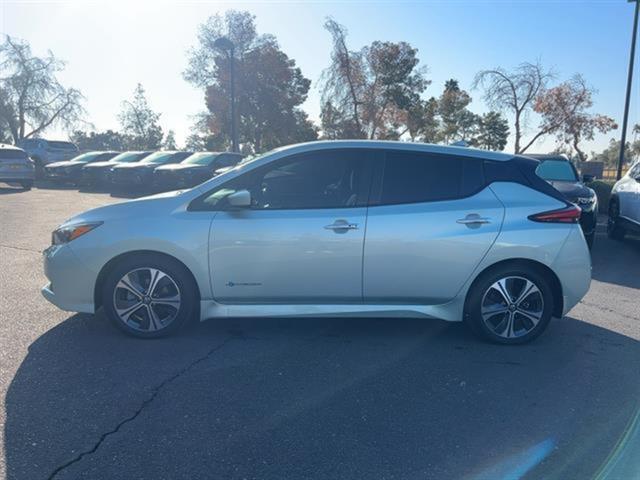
(603, 191)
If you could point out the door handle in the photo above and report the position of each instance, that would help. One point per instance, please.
(473, 219)
(341, 225)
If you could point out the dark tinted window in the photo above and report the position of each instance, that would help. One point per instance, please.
(327, 179)
(412, 177)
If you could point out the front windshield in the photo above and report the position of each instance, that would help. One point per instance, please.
(158, 157)
(556, 171)
(126, 157)
(86, 157)
(202, 158)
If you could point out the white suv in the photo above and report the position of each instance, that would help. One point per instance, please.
(624, 206)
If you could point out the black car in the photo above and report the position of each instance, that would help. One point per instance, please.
(71, 170)
(194, 170)
(139, 175)
(97, 173)
(562, 175)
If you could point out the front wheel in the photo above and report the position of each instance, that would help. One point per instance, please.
(614, 230)
(149, 296)
(27, 184)
(509, 305)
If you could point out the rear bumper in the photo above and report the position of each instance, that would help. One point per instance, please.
(572, 265)
(17, 176)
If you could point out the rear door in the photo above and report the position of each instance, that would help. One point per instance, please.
(430, 222)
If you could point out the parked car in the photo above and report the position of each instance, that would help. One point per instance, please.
(70, 171)
(97, 173)
(16, 167)
(453, 233)
(561, 173)
(139, 175)
(43, 152)
(624, 206)
(193, 170)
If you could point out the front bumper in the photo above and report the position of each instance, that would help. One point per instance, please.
(588, 221)
(71, 283)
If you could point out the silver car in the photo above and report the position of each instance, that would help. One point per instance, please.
(624, 206)
(342, 228)
(16, 167)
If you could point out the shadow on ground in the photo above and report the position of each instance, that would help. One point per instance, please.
(330, 398)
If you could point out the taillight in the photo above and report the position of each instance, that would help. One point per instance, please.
(569, 214)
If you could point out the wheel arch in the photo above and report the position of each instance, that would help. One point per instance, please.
(554, 281)
(111, 264)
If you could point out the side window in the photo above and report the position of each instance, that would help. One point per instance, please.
(635, 170)
(415, 177)
(325, 179)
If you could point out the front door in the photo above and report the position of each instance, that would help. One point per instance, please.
(301, 240)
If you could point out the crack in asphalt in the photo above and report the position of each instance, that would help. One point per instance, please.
(154, 393)
(24, 249)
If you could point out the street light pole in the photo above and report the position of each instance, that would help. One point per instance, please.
(228, 46)
(234, 133)
(625, 118)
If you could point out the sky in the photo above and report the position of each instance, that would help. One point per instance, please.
(110, 46)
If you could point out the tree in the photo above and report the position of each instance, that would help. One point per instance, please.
(31, 97)
(107, 140)
(564, 111)
(514, 92)
(375, 92)
(609, 156)
(269, 87)
(493, 132)
(140, 123)
(169, 142)
(458, 123)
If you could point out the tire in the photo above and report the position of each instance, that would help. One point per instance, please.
(27, 185)
(492, 318)
(39, 169)
(138, 314)
(614, 230)
(590, 239)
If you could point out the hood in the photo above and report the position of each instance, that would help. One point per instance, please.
(66, 163)
(132, 166)
(572, 190)
(161, 203)
(179, 167)
(100, 164)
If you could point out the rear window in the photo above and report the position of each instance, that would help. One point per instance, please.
(418, 177)
(7, 153)
(556, 170)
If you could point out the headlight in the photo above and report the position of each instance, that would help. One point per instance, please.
(64, 235)
(587, 203)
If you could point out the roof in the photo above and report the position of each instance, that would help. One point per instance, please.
(547, 156)
(396, 145)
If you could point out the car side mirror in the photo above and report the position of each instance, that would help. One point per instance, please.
(240, 199)
(586, 178)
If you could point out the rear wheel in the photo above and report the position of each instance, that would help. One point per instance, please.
(27, 184)
(149, 296)
(614, 230)
(509, 305)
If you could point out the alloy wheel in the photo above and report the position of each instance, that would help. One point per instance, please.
(512, 307)
(147, 299)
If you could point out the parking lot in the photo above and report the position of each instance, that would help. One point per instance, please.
(302, 398)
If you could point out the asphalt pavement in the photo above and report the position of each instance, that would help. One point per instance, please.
(309, 399)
